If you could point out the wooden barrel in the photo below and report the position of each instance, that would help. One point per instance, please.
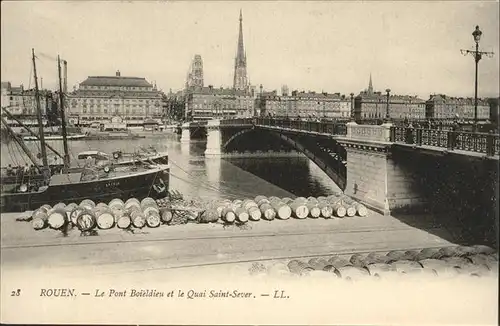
(299, 267)
(350, 210)
(254, 213)
(286, 200)
(138, 219)
(220, 208)
(124, 221)
(300, 200)
(361, 210)
(153, 219)
(283, 211)
(102, 205)
(248, 203)
(105, 219)
(39, 219)
(339, 210)
(57, 218)
(321, 198)
(299, 209)
(74, 214)
(148, 201)
(331, 197)
(86, 221)
(263, 201)
(314, 210)
(312, 200)
(68, 209)
(147, 210)
(335, 200)
(257, 199)
(46, 206)
(228, 215)
(210, 215)
(241, 215)
(116, 203)
(132, 202)
(272, 198)
(166, 215)
(268, 212)
(87, 203)
(326, 210)
(59, 205)
(117, 212)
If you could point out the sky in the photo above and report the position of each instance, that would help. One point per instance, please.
(412, 48)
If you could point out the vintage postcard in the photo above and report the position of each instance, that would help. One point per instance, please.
(249, 162)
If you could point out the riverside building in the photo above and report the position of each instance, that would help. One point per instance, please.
(99, 99)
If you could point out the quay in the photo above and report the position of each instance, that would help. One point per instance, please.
(188, 246)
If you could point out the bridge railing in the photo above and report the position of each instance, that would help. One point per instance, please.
(332, 128)
(236, 121)
(485, 143)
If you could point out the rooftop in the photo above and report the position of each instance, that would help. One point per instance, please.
(115, 81)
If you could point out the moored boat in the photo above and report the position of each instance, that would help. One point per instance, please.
(56, 137)
(96, 185)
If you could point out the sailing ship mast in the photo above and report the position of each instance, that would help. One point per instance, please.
(63, 119)
(46, 169)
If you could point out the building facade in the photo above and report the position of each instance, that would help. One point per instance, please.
(305, 105)
(22, 102)
(99, 98)
(373, 105)
(209, 102)
(440, 106)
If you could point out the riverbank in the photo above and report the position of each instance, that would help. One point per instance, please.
(182, 246)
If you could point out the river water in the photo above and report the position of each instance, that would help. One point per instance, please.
(207, 178)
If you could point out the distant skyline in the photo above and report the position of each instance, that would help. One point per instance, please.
(412, 48)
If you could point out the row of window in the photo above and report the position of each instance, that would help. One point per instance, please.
(129, 88)
(105, 111)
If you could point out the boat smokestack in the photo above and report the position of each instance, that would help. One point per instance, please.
(118, 73)
(65, 80)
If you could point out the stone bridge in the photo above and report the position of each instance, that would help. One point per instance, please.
(390, 169)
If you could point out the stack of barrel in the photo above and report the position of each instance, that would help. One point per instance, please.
(241, 211)
(88, 215)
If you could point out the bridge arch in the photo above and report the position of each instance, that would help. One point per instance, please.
(236, 135)
(333, 166)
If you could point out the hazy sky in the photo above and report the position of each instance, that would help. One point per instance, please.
(410, 47)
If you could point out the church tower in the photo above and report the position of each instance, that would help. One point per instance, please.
(195, 75)
(240, 64)
(370, 85)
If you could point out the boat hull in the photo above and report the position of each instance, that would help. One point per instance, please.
(8, 181)
(153, 183)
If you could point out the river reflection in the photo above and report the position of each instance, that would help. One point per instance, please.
(207, 178)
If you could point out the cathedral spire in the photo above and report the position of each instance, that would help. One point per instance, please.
(240, 66)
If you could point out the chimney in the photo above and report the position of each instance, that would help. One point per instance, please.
(118, 73)
(65, 78)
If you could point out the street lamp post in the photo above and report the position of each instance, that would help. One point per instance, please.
(477, 56)
(352, 107)
(387, 115)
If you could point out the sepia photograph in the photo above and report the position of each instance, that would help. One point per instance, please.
(249, 162)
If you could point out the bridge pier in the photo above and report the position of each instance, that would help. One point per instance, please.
(214, 139)
(373, 176)
(186, 133)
